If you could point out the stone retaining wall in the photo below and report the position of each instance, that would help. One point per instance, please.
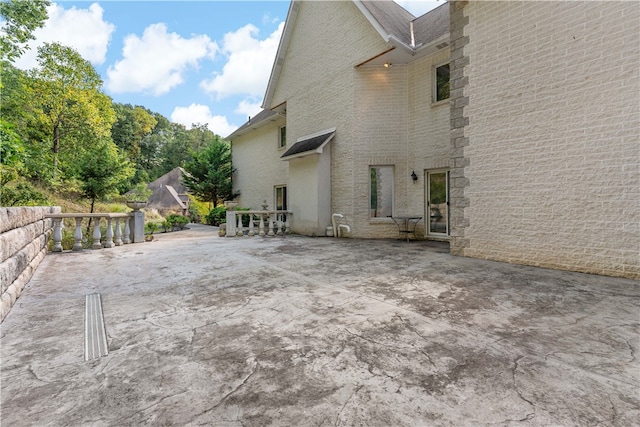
(24, 234)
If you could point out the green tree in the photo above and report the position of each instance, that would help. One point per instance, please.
(101, 170)
(21, 18)
(209, 172)
(67, 105)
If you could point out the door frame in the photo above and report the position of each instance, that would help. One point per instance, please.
(427, 205)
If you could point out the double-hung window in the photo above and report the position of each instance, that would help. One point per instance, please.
(282, 137)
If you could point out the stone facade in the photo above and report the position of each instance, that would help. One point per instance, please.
(24, 234)
(545, 134)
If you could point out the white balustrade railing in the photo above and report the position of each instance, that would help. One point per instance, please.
(269, 223)
(121, 228)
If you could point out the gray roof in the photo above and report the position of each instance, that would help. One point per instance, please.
(258, 118)
(396, 21)
(393, 18)
(432, 24)
(309, 144)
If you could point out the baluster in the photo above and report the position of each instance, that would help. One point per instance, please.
(270, 233)
(261, 232)
(77, 234)
(97, 235)
(239, 233)
(127, 231)
(279, 222)
(251, 230)
(109, 237)
(286, 224)
(118, 233)
(57, 235)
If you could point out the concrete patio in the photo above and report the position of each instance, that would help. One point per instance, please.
(300, 331)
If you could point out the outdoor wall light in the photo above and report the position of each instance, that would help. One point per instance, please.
(414, 177)
(388, 65)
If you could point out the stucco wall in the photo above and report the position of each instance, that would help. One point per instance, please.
(256, 158)
(553, 145)
(24, 234)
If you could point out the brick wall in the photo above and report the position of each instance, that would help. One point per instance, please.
(549, 161)
(257, 164)
(24, 234)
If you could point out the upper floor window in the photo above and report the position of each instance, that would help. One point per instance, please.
(441, 84)
(282, 137)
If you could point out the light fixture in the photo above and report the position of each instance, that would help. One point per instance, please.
(388, 65)
(414, 177)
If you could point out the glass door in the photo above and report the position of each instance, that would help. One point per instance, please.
(437, 198)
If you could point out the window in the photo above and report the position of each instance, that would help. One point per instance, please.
(282, 137)
(381, 191)
(441, 85)
(281, 198)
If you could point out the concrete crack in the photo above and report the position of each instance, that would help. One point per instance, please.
(254, 364)
(346, 402)
(515, 383)
(633, 353)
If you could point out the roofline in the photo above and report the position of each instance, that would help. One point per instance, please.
(318, 150)
(287, 32)
(387, 37)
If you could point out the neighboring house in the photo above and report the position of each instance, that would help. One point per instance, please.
(510, 127)
(169, 194)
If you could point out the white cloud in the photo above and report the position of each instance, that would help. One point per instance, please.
(82, 29)
(156, 62)
(248, 107)
(201, 114)
(419, 7)
(249, 65)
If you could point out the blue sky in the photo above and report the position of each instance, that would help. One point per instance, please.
(191, 61)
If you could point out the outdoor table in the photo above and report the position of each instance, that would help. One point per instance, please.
(406, 225)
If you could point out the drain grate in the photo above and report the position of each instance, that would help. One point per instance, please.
(95, 336)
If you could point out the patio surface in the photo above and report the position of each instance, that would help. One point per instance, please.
(300, 331)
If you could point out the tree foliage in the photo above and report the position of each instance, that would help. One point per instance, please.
(21, 18)
(101, 170)
(67, 104)
(209, 172)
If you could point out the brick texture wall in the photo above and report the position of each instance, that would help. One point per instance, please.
(549, 160)
(256, 159)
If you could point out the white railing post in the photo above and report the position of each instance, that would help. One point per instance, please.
(239, 233)
(109, 236)
(137, 227)
(77, 234)
(261, 230)
(127, 231)
(57, 235)
(270, 233)
(118, 233)
(97, 235)
(286, 224)
(252, 232)
(231, 223)
(279, 222)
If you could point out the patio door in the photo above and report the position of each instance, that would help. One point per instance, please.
(437, 197)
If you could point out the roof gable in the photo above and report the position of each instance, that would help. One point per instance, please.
(396, 26)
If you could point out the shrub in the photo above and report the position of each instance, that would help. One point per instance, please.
(151, 227)
(216, 216)
(175, 221)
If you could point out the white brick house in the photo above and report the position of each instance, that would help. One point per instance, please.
(546, 141)
(533, 159)
(329, 78)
